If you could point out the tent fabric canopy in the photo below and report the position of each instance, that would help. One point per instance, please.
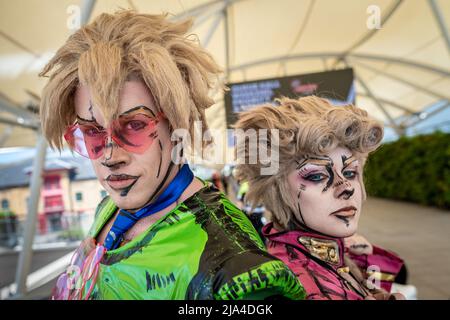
(401, 68)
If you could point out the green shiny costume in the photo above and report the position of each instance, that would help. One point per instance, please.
(205, 248)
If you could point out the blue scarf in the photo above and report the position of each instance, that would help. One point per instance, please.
(125, 220)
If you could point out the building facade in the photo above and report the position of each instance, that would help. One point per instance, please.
(70, 190)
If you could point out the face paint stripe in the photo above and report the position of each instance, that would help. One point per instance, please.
(140, 107)
(347, 161)
(91, 111)
(302, 188)
(153, 135)
(340, 182)
(109, 145)
(169, 170)
(301, 215)
(125, 191)
(319, 161)
(85, 120)
(160, 159)
(329, 169)
(344, 219)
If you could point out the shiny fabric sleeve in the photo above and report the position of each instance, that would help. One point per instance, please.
(381, 265)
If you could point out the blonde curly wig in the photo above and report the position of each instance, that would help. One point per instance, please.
(118, 47)
(307, 126)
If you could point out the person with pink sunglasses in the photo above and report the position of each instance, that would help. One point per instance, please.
(117, 91)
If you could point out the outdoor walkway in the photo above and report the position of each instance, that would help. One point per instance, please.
(418, 234)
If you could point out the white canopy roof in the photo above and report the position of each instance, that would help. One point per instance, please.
(401, 68)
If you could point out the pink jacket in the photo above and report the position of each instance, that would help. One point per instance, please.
(318, 262)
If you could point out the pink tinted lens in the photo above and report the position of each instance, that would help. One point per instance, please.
(136, 133)
(87, 140)
(133, 133)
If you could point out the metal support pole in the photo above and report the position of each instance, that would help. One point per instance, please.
(373, 57)
(389, 102)
(87, 7)
(441, 22)
(407, 82)
(15, 110)
(19, 122)
(204, 16)
(5, 135)
(196, 11)
(304, 23)
(227, 45)
(212, 30)
(24, 264)
(370, 33)
(397, 129)
(430, 114)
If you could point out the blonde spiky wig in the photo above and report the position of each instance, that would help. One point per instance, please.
(307, 126)
(122, 46)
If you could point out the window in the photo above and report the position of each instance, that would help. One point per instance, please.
(55, 223)
(102, 194)
(5, 204)
(53, 201)
(51, 182)
(79, 196)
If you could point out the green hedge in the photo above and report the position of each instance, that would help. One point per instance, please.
(415, 169)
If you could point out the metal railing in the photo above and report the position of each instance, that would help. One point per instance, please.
(49, 229)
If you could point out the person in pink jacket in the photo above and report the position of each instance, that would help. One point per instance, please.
(315, 197)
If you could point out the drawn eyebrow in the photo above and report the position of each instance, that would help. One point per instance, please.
(86, 120)
(347, 161)
(140, 107)
(318, 161)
